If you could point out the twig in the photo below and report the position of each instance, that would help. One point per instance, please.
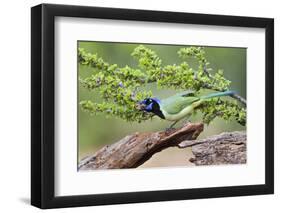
(207, 86)
(240, 99)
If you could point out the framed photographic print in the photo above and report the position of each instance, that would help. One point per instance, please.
(140, 106)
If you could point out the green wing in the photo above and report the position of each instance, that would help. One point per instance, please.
(188, 93)
(177, 103)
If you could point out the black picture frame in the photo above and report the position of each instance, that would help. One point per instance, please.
(43, 110)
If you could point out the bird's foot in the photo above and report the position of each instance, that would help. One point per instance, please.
(187, 122)
(169, 129)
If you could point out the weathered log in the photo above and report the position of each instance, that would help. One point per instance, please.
(226, 148)
(134, 150)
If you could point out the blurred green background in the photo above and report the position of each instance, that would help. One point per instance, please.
(97, 131)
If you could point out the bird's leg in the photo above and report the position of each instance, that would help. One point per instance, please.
(187, 121)
(171, 127)
(173, 124)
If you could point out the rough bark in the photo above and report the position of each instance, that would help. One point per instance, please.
(226, 148)
(134, 150)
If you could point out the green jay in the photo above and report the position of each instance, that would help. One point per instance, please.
(178, 106)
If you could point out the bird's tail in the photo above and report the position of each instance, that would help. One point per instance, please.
(218, 94)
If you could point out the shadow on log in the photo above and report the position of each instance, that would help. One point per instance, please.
(133, 150)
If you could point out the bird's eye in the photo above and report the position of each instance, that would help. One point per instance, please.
(148, 101)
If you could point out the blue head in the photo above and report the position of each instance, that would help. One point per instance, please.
(149, 104)
(152, 105)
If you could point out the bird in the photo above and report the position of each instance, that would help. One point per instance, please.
(179, 106)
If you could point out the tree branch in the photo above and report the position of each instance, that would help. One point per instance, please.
(208, 86)
(240, 99)
(134, 150)
(225, 137)
(225, 148)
